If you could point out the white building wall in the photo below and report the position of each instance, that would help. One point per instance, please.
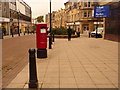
(12, 6)
(20, 7)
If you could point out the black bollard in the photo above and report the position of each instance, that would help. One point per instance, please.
(28, 32)
(53, 37)
(50, 44)
(12, 34)
(1, 34)
(89, 34)
(24, 33)
(69, 37)
(79, 34)
(33, 81)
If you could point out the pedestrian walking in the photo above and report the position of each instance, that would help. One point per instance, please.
(69, 33)
(27, 29)
(1, 33)
(23, 29)
(89, 34)
(12, 29)
(4, 30)
(78, 32)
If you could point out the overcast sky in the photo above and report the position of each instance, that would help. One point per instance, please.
(41, 7)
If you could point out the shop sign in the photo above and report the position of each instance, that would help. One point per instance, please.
(102, 11)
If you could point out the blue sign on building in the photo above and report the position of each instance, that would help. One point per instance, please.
(102, 11)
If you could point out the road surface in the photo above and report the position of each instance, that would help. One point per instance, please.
(15, 56)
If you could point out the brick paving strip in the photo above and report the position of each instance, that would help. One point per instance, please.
(15, 56)
(80, 63)
(15, 35)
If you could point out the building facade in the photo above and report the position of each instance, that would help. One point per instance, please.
(16, 13)
(78, 16)
(47, 19)
(112, 23)
(4, 16)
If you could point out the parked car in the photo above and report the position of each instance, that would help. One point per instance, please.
(99, 32)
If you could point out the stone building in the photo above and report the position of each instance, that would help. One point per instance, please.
(4, 15)
(17, 13)
(78, 16)
(47, 19)
(58, 19)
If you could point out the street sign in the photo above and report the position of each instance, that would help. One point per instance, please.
(102, 11)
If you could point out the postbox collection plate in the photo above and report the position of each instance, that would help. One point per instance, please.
(42, 30)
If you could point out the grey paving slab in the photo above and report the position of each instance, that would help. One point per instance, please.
(80, 63)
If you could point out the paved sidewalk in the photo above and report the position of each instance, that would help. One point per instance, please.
(80, 63)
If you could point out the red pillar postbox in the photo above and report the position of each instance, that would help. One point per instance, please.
(41, 37)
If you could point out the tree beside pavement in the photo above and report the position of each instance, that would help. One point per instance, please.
(39, 19)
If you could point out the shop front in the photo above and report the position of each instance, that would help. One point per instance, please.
(5, 22)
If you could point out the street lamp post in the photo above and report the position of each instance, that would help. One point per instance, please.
(11, 26)
(50, 18)
(18, 23)
(60, 20)
(97, 28)
(50, 38)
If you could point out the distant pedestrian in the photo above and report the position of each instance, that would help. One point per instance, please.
(69, 33)
(89, 34)
(12, 29)
(78, 33)
(23, 29)
(4, 30)
(27, 29)
(1, 33)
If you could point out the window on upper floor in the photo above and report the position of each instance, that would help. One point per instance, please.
(89, 5)
(85, 14)
(75, 5)
(89, 14)
(86, 4)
